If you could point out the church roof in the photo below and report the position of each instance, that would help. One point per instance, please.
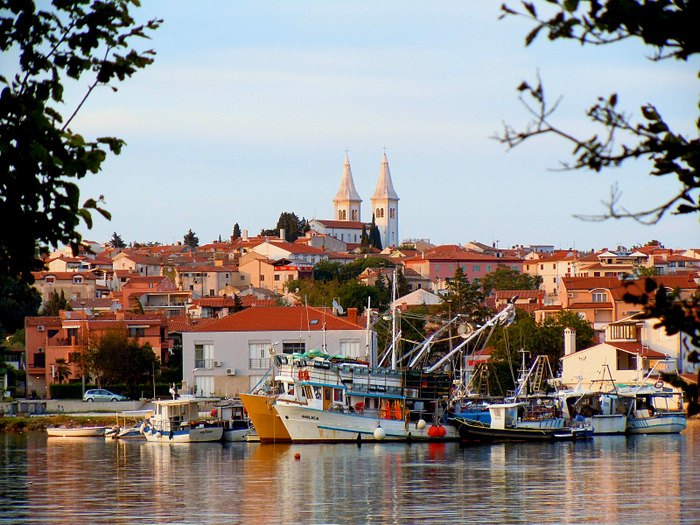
(385, 188)
(347, 191)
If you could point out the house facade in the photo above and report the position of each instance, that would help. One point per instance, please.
(65, 337)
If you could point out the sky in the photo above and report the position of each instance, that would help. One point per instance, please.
(250, 106)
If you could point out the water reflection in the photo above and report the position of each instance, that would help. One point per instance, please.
(640, 479)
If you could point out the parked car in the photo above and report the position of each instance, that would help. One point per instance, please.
(100, 394)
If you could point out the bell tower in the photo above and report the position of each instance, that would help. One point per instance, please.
(347, 202)
(385, 207)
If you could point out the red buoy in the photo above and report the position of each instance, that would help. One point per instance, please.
(297, 456)
(433, 431)
(441, 431)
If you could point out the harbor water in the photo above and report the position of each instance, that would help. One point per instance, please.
(609, 479)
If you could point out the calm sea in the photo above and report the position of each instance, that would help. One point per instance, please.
(640, 479)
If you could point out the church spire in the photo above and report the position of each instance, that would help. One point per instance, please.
(347, 201)
(385, 188)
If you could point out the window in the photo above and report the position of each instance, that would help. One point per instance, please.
(204, 356)
(349, 348)
(599, 297)
(50, 279)
(554, 267)
(78, 279)
(476, 268)
(452, 268)
(262, 277)
(437, 267)
(625, 331)
(354, 215)
(541, 266)
(515, 268)
(73, 357)
(596, 274)
(258, 355)
(392, 213)
(488, 268)
(137, 331)
(297, 347)
(277, 277)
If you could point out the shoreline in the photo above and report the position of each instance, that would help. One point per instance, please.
(20, 424)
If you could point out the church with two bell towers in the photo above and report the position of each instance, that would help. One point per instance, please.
(347, 224)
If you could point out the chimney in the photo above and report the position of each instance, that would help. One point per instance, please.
(569, 341)
(352, 315)
(244, 235)
(282, 233)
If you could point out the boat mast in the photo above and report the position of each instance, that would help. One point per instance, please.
(393, 322)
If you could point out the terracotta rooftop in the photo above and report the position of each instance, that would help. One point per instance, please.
(279, 318)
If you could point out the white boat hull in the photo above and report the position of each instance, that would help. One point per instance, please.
(657, 424)
(193, 435)
(239, 434)
(76, 432)
(608, 424)
(310, 425)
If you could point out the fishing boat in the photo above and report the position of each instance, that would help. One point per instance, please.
(76, 431)
(264, 417)
(231, 415)
(506, 425)
(602, 408)
(333, 399)
(654, 410)
(182, 420)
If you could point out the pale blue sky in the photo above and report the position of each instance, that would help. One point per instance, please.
(250, 106)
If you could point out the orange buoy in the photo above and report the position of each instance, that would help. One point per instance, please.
(297, 456)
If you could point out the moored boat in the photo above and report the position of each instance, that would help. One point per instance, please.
(181, 421)
(505, 425)
(96, 431)
(266, 421)
(655, 411)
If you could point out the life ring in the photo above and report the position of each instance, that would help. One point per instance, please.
(658, 384)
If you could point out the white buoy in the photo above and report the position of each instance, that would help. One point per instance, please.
(158, 434)
(420, 425)
(379, 433)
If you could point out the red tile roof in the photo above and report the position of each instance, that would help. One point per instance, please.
(279, 318)
(636, 348)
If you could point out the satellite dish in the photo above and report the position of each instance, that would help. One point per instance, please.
(67, 315)
(337, 307)
(465, 330)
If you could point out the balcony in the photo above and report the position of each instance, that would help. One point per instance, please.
(206, 364)
(260, 364)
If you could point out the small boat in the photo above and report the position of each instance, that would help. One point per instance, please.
(181, 421)
(506, 426)
(236, 425)
(655, 411)
(76, 431)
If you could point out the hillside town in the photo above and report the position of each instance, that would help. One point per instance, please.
(228, 308)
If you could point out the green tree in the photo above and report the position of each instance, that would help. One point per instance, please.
(55, 304)
(326, 270)
(117, 241)
(402, 287)
(463, 297)
(291, 224)
(190, 239)
(374, 237)
(353, 269)
(669, 28)
(236, 232)
(237, 304)
(17, 301)
(114, 357)
(62, 369)
(545, 338)
(42, 157)
(364, 238)
(505, 278)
